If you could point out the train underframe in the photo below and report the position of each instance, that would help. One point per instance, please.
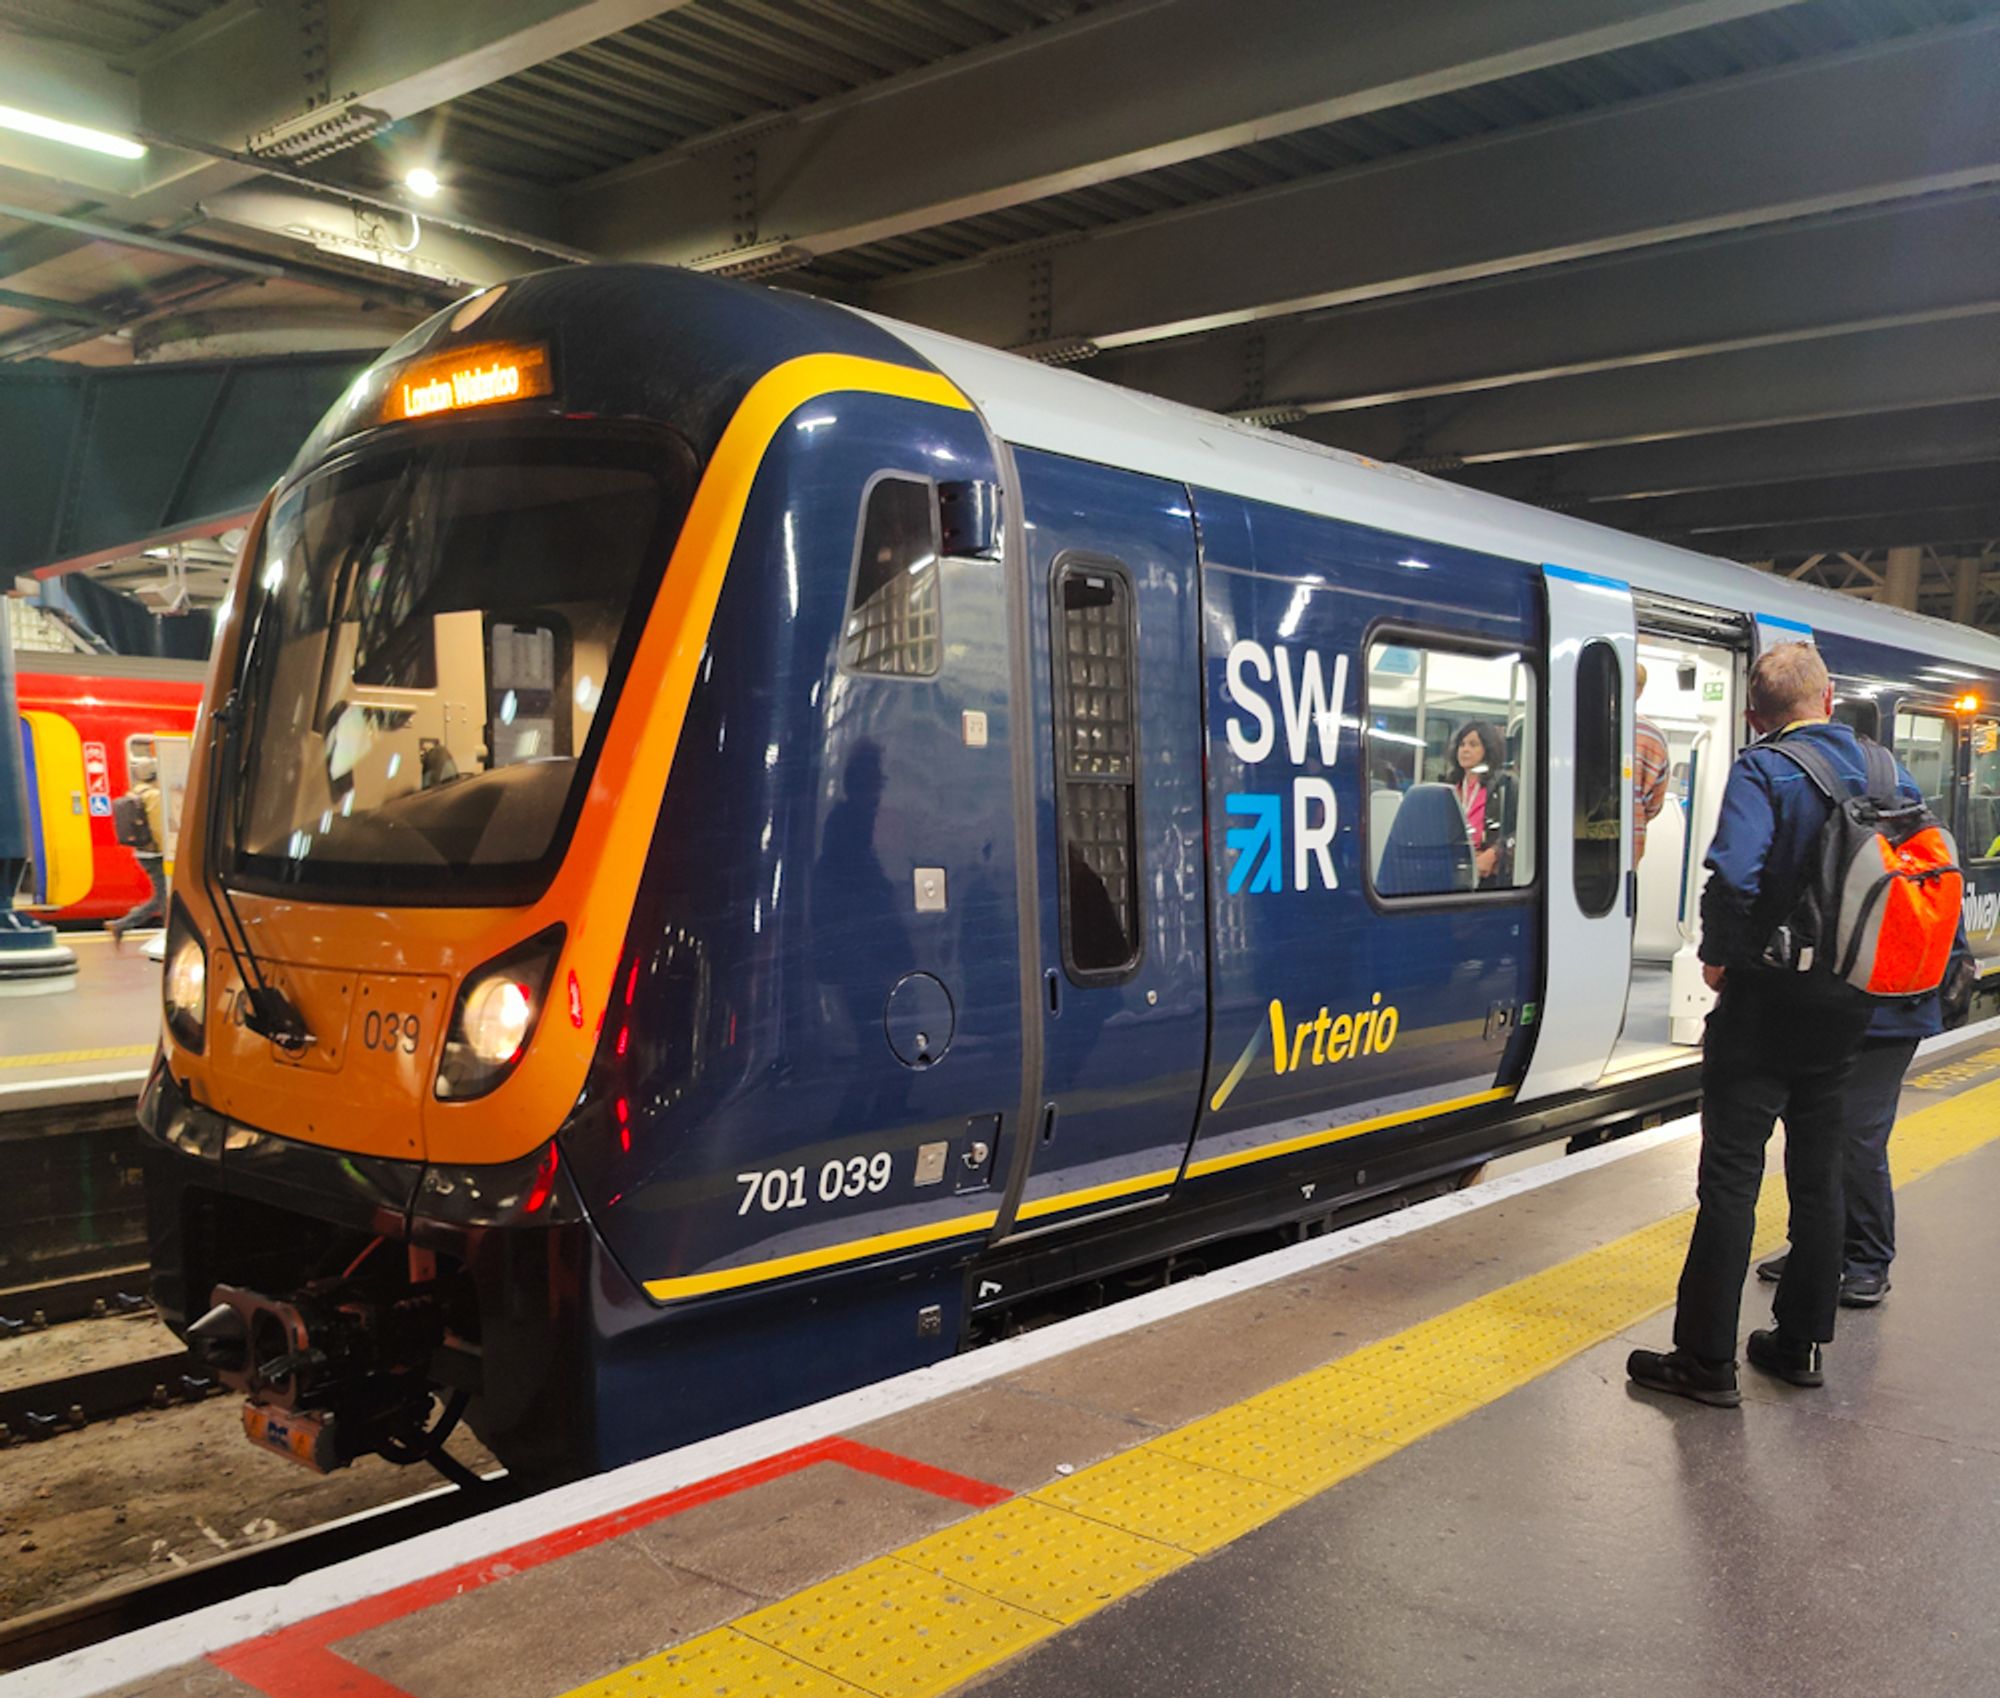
(366, 1306)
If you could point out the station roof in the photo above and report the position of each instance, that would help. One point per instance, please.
(1725, 272)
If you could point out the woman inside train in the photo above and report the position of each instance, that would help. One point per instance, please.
(1485, 794)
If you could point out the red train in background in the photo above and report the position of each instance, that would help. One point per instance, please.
(83, 718)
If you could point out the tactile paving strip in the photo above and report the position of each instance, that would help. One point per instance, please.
(930, 1617)
(1040, 1558)
(895, 1629)
(720, 1662)
(1157, 1496)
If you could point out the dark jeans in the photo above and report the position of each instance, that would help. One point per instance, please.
(154, 909)
(1775, 1045)
(1872, 1095)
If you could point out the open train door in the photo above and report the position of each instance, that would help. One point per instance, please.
(1587, 900)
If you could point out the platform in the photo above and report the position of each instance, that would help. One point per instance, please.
(89, 1043)
(1401, 1459)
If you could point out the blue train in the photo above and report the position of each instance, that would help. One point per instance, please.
(738, 846)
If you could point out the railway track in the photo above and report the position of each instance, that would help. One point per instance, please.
(69, 1627)
(115, 1290)
(72, 1401)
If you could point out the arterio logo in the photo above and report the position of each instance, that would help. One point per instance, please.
(1304, 807)
(1323, 1039)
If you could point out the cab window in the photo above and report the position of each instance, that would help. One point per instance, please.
(1450, 770)
(891, 628)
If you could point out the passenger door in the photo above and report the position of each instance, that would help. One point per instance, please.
(1114, 657)
(1592, 646)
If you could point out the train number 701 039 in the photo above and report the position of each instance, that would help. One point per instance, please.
(772, 1190)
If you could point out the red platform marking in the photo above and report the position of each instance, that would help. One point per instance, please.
(297, 1662)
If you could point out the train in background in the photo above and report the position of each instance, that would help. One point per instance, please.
(741, 847)
(83, 719)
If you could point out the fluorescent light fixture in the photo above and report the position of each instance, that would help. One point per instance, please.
(76, 135)
(421, 181)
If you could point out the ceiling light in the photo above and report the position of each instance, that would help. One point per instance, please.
(76, 135)
(422, 181)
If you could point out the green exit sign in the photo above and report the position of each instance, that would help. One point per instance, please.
(1712, 690)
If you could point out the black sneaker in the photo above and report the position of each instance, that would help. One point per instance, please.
(1773, 1269)
(1863, 1290)
(1795, 1360)
(1682, 1375)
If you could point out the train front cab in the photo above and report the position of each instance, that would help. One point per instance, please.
(439, 904)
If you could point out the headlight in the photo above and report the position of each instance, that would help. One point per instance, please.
(498, 1012)
(184, 987)
(495, 1017)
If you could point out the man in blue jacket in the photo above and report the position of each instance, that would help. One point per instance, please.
(1779, 1042)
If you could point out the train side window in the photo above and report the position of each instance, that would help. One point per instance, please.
(1984, 802)
(1097, 766)
(1925, 746)
(1450, 770)
(892, 621)
(1598, 828)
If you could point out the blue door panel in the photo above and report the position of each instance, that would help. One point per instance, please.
(1397, 996)
(759, 1122)
(1122, 1061)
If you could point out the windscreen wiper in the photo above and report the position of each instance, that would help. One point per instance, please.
(268, 1011)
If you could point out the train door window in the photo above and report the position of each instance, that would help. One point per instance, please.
(1983, 805)
(1097, 765)
(138, 747)
(1925, 745)
(892, 627)
(1859, 712)
(1450, 764)
(1597, 827)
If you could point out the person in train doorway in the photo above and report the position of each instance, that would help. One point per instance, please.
(1894, 1031)
(138, 820)
(1650, 761)
(1485, 794)
(1778, 1042)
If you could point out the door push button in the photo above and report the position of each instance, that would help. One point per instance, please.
(975, 1158)
(929, 883)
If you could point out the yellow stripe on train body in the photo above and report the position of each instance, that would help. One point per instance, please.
(594, 888)
(964, 1226)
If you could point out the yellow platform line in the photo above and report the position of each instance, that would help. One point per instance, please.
(925, 1619)
(64, 1057)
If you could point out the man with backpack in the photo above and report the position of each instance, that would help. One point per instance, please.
(138, 820)
(1800, 940)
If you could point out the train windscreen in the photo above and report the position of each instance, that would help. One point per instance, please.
(436, 635)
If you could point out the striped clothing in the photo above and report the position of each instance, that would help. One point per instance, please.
(1649, 781)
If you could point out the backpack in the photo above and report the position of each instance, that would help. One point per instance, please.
(129, 823)
(1883, 886)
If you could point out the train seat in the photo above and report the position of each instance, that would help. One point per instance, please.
(1427, 852)
(1382, 805)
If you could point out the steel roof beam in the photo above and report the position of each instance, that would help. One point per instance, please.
(1938, 527)
(1796, 282)
(398, 58)
(1117, 91)
(1598, 480)
(1879, 124)
(1877, 371)
(1869, 495)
